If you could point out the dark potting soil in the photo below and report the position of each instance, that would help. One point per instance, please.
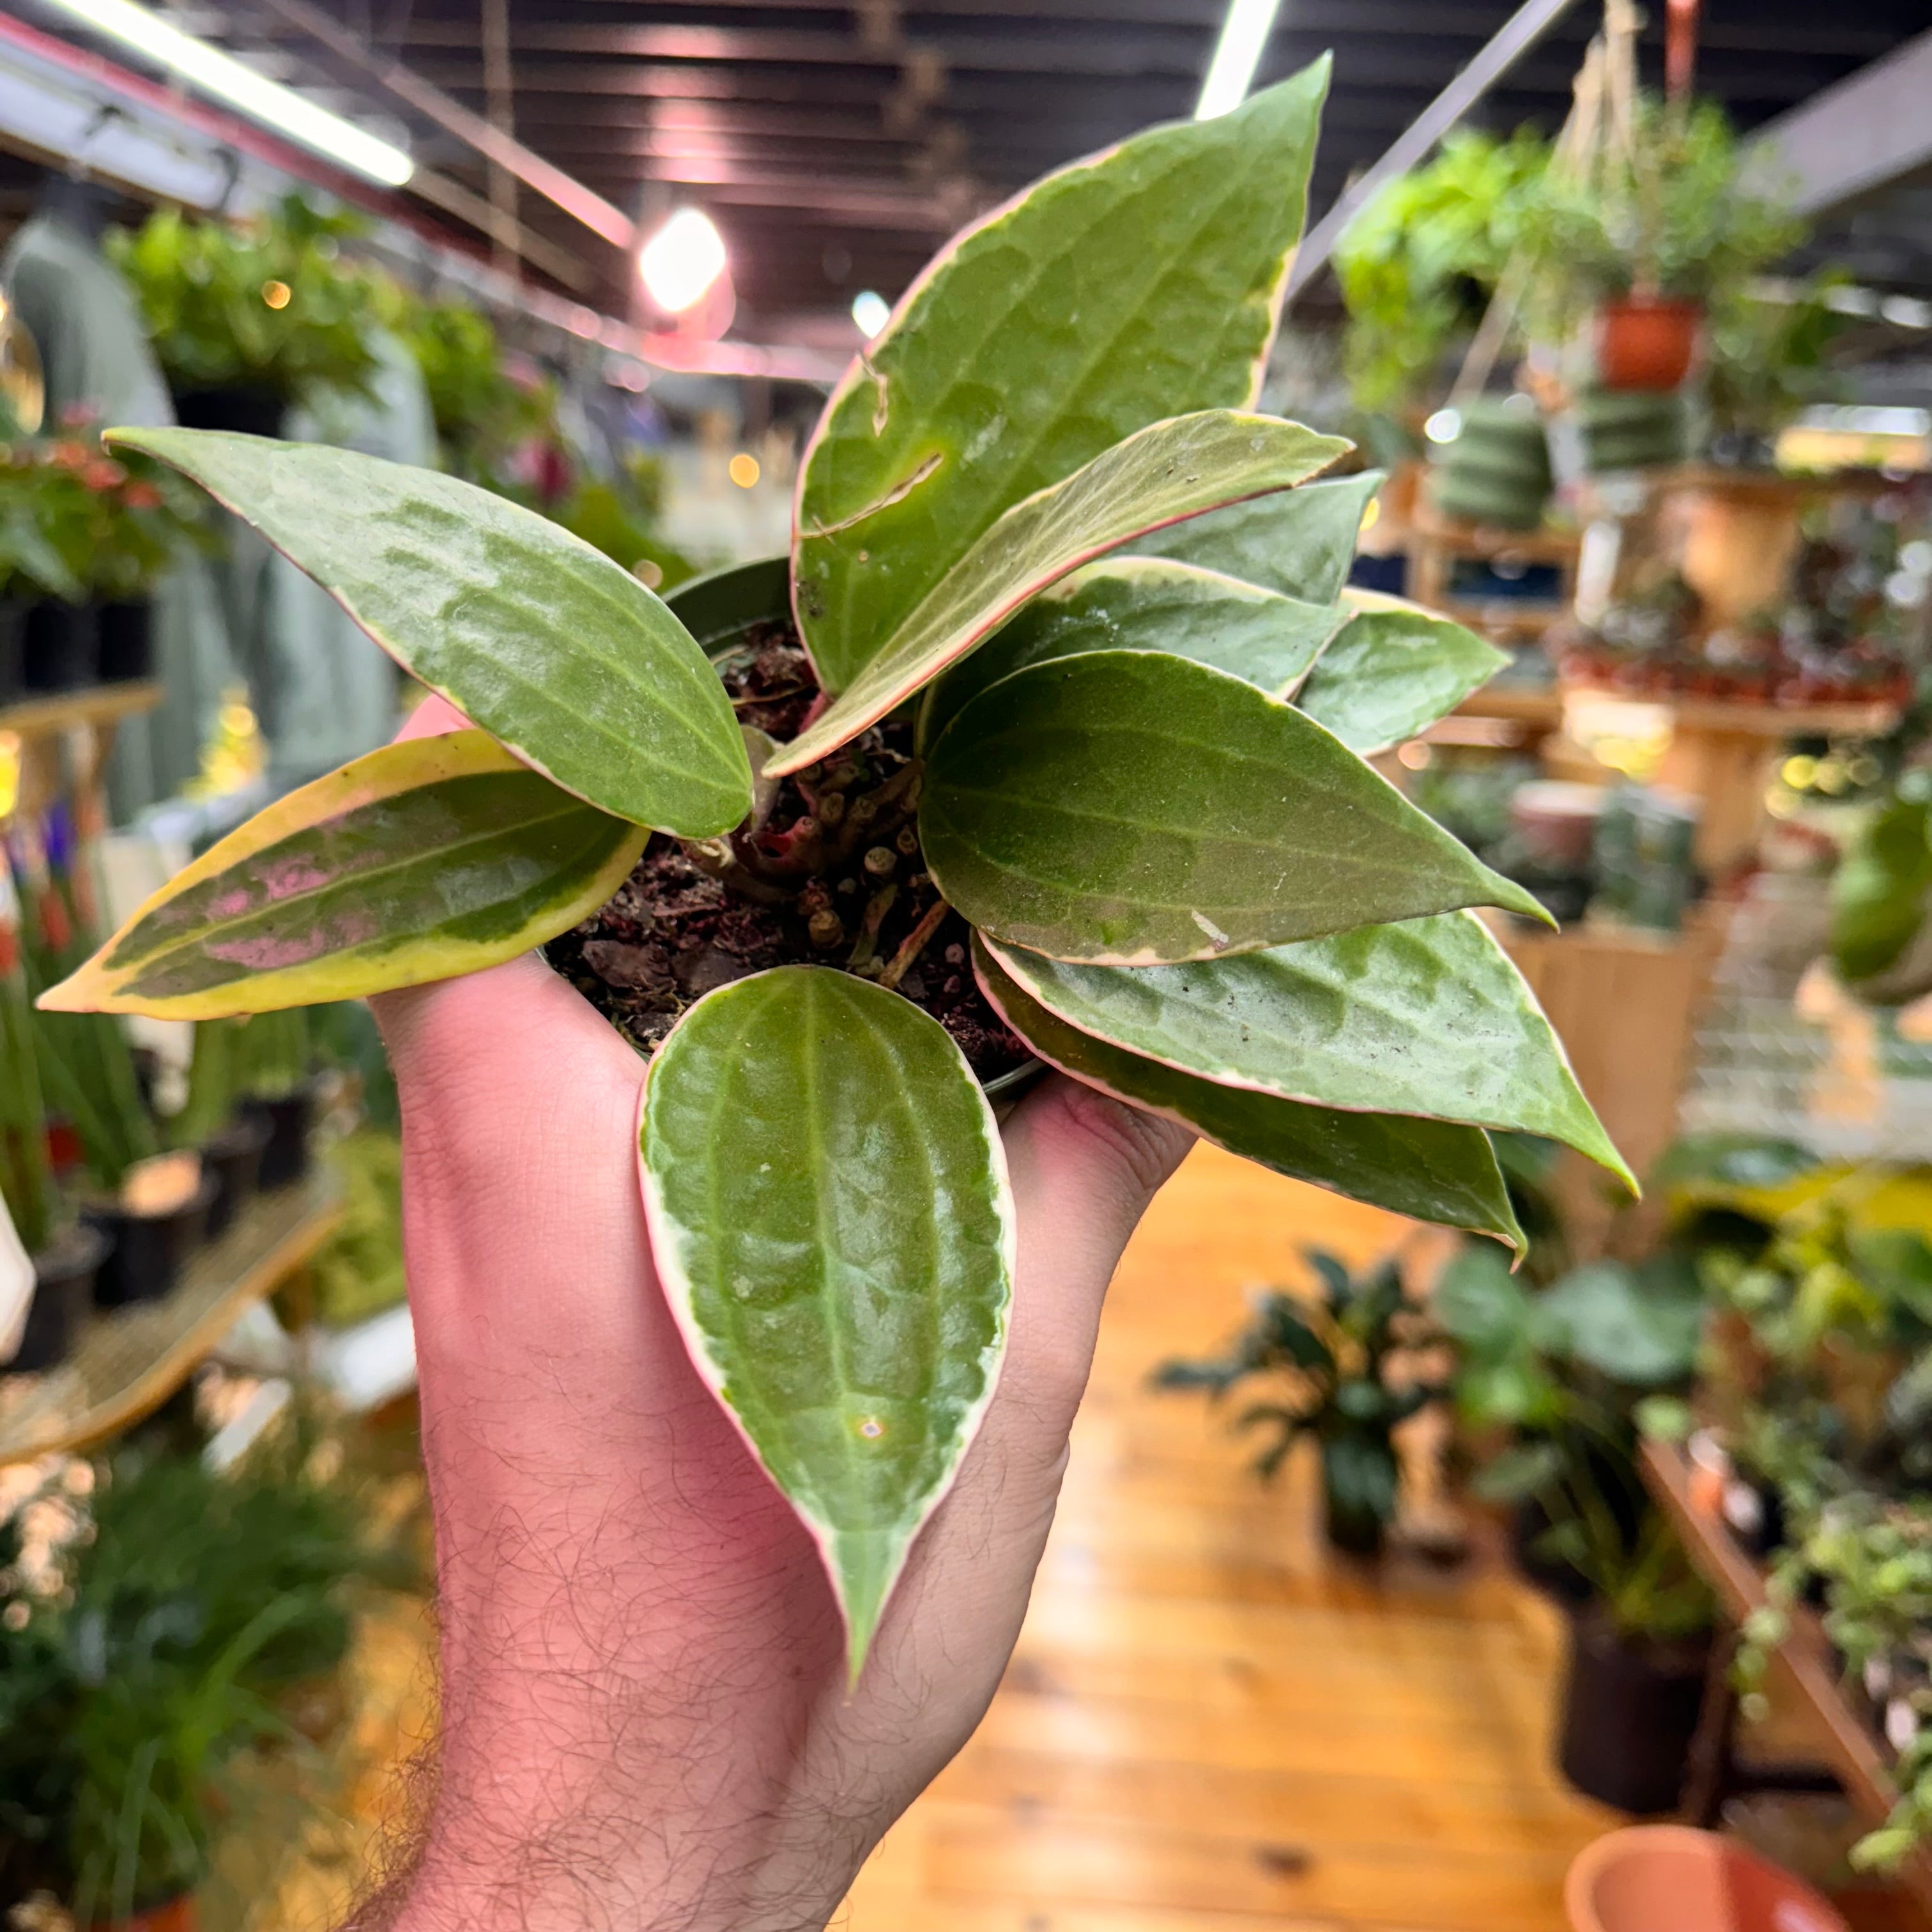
(833, 876)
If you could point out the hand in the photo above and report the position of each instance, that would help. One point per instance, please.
(645, 1719)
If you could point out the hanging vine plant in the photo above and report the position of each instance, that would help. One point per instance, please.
(1048, 742)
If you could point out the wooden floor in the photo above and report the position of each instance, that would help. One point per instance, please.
(1211, 1725)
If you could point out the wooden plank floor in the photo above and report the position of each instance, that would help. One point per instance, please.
(1209, 1725)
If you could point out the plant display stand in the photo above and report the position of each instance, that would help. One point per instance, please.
(61, 744)
(130, 1360)
(1438, 544)
(1858, 1758)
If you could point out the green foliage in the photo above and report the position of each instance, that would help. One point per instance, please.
(358, 1270)
(26, 1181)
(611, 520)
(1683, 219)
(208, 290)
(1350, 1366)
(1148, 788)
(79, 525)
(1766, 360)
(1880, 891)
(1418, 265)
(154, 1609)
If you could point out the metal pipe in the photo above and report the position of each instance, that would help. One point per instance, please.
(1519, 34)
(541, 176)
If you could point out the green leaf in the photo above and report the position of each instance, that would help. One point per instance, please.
(1301, 545)
(423, 860)
(1880, 893)
(1139, 283)
(1133, 809)
(1167, 470)
(1481, 1304)
(829, 1208)
(1392, 670)
(1612, 1319)
(1427, 1017)
(542, 641)
(1433, 1170)
(1146, 604)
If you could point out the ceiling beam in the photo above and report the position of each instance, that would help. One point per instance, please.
(1853, 139)
(544, 177)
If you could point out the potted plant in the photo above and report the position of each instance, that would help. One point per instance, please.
(1648, 244)
(278, 1082)
(66, 1256)
(246, 317)
(806, 826)
(157, 1614)
(213, 1121)
(151, 1207)
(90, 534)
(1335, 1359)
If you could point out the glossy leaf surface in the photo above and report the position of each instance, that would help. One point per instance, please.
(1147, 604)
(1434, 1170)
(1167, 470)
(1429, 1017)
(1131, 286)
(1300, 545)
(1133, 809)
(542, 641)
(829, 1211)
(1392, 671)
(423, 860)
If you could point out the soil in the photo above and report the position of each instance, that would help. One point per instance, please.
(832, 876)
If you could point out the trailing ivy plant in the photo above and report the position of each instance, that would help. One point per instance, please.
(1136, 786)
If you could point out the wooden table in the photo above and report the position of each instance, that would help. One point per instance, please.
(1804, 1661)
(130, 1361)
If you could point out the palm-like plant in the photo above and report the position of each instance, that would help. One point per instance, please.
(1136, 787)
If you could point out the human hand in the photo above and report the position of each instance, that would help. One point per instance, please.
(645, 1719)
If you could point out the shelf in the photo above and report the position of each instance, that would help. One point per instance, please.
(98, 704)
(1853, 1748)
(1713, 716)
(1487, 542)
(130, 1361)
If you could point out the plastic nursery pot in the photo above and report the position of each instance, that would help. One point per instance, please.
(233, 1156)
(13, 648)
(178, 1915)
(1353, 1527)
(127, 634)
(149, 1249)
(255, 409)
(1629, 1710)
(289, 1118)
(1646, 342)
(59, 646)
(63, 1277)
(1647, 1878)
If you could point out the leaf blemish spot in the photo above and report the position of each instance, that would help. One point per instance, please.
(872, 1428)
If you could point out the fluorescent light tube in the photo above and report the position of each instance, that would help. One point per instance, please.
(279, 109)
(1237, 54)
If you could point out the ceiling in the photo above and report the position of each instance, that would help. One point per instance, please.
(836, 145)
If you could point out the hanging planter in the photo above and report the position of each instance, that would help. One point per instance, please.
(1646, 341)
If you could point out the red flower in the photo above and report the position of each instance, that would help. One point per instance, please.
(70, 455)
(143, 496)
(103, 472)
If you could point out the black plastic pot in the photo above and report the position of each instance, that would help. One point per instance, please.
(1630, 1711)
(149, 1249)
(60, 645)
(64, 1277)
(253, 408)
(13, 648)
(285, 1160)
(234, 1157)
(126, 631)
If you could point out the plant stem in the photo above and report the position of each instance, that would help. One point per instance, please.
(914, 944)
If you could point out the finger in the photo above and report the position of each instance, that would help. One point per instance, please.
(430, 718)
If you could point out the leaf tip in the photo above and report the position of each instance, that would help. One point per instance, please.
(863, 1565)
(80, 992)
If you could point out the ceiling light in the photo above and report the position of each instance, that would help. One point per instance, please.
(1237, 54)
(871, 311)
(682, 260)
(278, 108)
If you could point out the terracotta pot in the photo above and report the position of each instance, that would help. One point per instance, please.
(179, 1914)
(1645, 342)
(1649, 1877)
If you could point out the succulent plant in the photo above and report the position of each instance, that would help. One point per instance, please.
(1140, 782)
